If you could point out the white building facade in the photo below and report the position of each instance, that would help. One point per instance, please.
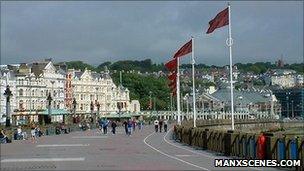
(7, 78)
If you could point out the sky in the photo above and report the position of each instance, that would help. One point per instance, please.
(96, 31)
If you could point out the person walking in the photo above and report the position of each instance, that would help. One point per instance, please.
(165, 125)
(160, 125)
(33, 134)
(113, 125)
(125, 123)
(130, 125)
(134, 124)
(105, 126)
(140, 124)
(156, 125)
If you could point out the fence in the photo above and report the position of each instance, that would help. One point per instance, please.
(243, 145)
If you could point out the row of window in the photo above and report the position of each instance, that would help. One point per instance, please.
(35, 92)
(35, 104)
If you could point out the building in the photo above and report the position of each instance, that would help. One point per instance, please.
(34, 83)
(292, 101)
(285, 78)
(7, 78)
(96, 92)
(249, 101)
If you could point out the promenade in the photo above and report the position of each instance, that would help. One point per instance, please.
(91, 150)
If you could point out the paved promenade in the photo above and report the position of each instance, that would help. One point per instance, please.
(91, 150)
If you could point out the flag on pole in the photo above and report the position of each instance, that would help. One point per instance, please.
(220, 20)
(172, 76)
(172, 65)
(172, 83)
(184, 50)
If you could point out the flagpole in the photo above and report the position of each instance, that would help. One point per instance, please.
(178, 94)
(229, 43)
(193, 84)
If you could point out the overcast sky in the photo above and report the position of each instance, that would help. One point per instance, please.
(96, 31)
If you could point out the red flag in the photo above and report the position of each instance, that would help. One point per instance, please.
(171, 65)
(220, 20)
(174, 92)
(172, 76)
(172, 85)
(187, 48)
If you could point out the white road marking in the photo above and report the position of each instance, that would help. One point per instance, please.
(182, 155)
(195, 151)
(212, 157)
(62, 145)
(42, 160)
(90, 137)
(170, 155)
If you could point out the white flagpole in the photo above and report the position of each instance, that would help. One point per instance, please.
(193, 84)
(178, 94)
(229, 43)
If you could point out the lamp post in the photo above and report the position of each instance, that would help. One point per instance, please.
(287, 103)
(186, 98)
(8, 94)
(74, 108)
(49, 99)
(92, 111)
(150, 102)
(292, 111)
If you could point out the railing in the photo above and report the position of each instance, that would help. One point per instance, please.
(242, 145)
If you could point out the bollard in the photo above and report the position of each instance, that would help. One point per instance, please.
(281, 149)
(261, 147)
(227, 143)
(269, 145)
(293, 149)
(205, 139)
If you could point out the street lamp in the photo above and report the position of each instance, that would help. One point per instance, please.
(74, 108)
(287, 103)
(49, 99)
(186, 98)
(8, 94)
(292, 111)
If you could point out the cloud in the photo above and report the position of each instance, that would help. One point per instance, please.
(96, 32)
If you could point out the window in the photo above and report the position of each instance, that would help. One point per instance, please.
(21, 92)
(21, 104)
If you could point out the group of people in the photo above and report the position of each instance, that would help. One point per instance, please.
(158, 125)
(3, 138)
(130, 125)
(21, 135)
(104, 123)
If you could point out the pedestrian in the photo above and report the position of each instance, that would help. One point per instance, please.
(105, 126)
(140, 124)
(33, 134)
(134, 124)
(156, 125)
(165, 125)
(100, 124)
(3, 137)
(160, 125)
(125, 123)
(130, 125)
(113, 125)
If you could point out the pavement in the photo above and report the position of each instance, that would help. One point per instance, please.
(92, 150)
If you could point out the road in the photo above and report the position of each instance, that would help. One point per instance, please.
(91, 150)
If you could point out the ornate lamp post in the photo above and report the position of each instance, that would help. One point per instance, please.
(49, 99)
(92, 112)
(74, 108)
(8, 94)
(98, 110)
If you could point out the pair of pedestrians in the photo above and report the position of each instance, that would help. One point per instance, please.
(158, 125)
(128, 124)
